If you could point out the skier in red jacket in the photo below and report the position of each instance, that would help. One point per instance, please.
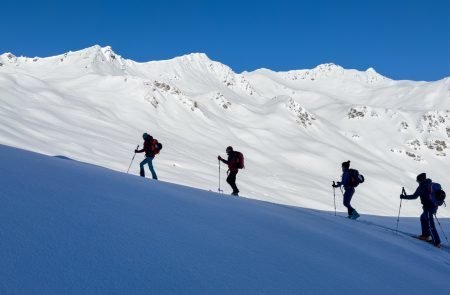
(150, 152)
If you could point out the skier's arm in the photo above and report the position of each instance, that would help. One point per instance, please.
(138, 151)
(413, 196)
(223, 160)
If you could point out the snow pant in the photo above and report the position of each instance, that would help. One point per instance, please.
(428, 227)
(149, 161)
(231, 179)
(348, 194)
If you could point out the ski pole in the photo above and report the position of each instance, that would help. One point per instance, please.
(219, 177)
(334, 195)
(132, 160)
(399, 208)
(445, 236)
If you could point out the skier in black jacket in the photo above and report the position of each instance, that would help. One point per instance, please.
(429, 209)
(233, 170)
(348, 190)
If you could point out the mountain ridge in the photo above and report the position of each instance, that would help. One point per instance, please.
(94, 106)
(110, 55)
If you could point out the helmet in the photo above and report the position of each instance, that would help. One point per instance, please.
(229, 149)
(144, 136)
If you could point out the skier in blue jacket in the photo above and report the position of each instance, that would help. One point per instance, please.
(429, 209)
(348, 190)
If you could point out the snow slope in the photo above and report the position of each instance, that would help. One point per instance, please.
(295, 128)
(74, 228)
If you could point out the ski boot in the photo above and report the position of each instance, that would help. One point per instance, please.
(354, 215)
(424, 238)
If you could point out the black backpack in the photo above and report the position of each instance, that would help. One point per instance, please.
(437, 195)
(355, 177)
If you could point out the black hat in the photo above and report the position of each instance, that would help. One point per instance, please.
(346, 164)
(421, 177)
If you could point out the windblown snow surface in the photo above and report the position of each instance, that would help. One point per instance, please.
(294, 128)
(73, 228)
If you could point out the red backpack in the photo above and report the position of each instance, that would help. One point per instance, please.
(156, 146)
(239, 160)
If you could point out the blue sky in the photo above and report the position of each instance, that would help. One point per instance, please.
(400, 39)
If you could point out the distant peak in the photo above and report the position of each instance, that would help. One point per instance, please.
(108, 53)
(102, 52)
(8, 55)
(195, 57)
(328, 67)
(98, 49)
(106, 49)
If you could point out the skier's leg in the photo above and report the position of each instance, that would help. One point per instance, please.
(150, 166)
(141, 165)
(425, 224)
(434, 234)
(231, 179)
(347, 198)
(235, 188)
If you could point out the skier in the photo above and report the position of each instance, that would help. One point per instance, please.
(234, 162)
(348, 188)
(429, 208)
(150, 149)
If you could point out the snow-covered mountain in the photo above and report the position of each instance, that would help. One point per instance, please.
(72, 228)
(294, 128)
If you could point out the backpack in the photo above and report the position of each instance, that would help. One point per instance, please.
(437, 195)
(355, 177)
(156, 147)
(239, 160)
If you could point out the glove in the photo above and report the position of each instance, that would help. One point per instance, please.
(135, 151)
(334, 184)
(219, 158)
(402, 196)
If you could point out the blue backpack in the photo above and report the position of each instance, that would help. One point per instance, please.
(437, 195)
